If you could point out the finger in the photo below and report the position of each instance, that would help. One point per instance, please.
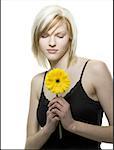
(62, 99)
(56, 100)
(56, 118)
(53, 117)
(57, 112)
(65, 103)
(55, 105)
(51, 114)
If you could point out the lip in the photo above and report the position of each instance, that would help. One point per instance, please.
(52, 51)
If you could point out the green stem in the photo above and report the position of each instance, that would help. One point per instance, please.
(60, 129)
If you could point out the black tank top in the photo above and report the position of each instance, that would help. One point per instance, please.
(83, 109)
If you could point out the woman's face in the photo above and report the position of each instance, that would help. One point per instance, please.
(54, 43)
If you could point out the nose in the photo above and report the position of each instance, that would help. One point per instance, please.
(52, 41)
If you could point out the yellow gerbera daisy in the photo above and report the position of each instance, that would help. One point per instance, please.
(57, 81)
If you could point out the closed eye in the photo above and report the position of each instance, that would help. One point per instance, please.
(44, 35)
(59, 36)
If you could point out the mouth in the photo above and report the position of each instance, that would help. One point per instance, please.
(52, 51)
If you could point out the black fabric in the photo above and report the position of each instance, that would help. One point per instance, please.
(83, 109)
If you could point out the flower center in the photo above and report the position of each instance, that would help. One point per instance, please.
(57, 80)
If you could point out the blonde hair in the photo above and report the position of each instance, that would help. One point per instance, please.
(44, 21)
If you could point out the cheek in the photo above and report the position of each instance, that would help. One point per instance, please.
(42, 43)
(64, 44)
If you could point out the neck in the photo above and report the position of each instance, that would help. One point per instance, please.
(62, 63)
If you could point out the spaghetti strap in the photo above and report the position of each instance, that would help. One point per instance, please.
(43, 80)
(83, 70)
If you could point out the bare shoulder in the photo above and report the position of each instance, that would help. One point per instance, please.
(98, 67)
(36, 78)
(94, 66)
(99, 73)
(36, 83)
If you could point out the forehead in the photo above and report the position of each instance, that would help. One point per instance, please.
(59, 27)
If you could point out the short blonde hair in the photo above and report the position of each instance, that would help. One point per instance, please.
(44, 21)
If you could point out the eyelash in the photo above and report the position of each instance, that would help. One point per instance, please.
(60, 37)
(45, 36)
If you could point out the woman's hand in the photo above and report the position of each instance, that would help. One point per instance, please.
(52, 121)
(61, 108)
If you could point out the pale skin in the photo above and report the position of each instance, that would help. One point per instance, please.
(99, 87)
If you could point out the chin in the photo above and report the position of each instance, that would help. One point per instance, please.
(53, 58)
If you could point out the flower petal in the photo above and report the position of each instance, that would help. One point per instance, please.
(57, 81)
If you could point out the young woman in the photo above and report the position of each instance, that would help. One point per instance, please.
(81, 108)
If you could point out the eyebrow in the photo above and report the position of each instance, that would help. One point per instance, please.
(61, 32)
(57, 31)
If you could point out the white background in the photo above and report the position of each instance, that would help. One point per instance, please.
(94, 23)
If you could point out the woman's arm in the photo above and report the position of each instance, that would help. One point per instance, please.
(36, 137)
(102, 83)
(93, 132)
(37, 140)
